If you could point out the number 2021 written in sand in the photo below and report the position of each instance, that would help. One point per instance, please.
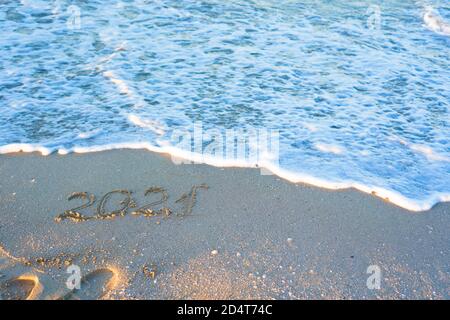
(187, 201)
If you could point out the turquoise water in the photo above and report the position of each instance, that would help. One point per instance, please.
(358, 90)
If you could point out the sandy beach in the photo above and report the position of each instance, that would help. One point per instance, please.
(238, 234)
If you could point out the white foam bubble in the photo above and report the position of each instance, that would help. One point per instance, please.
(329, 148)
(24, 147)
(311, 127)
(434, 22)
(152, 125)
(429, 153)
(121, 84)
(90, 134)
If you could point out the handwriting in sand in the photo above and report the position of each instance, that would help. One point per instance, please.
(185, 204)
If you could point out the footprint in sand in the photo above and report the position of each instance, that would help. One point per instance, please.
(95, 285)
(25, 287)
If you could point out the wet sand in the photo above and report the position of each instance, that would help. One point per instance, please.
(247, 235)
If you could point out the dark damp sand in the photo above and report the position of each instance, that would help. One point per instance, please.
(248, 236)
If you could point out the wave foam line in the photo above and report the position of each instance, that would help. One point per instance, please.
(152, 125)
(389, 195)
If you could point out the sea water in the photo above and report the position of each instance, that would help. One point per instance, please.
(358, 91)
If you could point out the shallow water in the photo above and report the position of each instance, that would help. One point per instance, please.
(358, 93)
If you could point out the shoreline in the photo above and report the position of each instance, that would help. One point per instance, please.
(393, 197)
(247, 236)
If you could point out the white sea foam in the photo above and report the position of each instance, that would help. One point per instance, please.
(329, 148)
(121, 84)
(152, 125)
(295, 177)
(434, 22)
(90, 134)
(311, 127)
(424, 150)
(429, 153)
(24, 147)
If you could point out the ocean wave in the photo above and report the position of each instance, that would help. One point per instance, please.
(353, 107)
(180, 156)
